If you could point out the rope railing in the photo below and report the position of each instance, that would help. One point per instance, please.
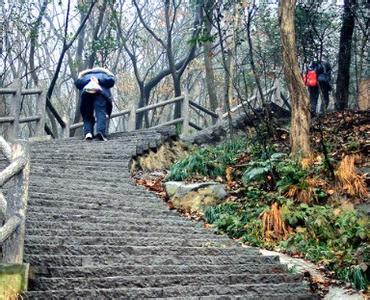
(13, 207)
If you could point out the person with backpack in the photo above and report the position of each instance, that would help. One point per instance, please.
(317, 79)
(96, 98)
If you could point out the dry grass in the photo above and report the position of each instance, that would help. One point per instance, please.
(349, 178)
(274, 228)
(163, 158)
(306, 195)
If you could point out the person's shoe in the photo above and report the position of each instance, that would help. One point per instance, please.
(101, 137)
(88, 136)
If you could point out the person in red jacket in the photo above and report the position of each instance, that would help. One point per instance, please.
(96, 98)
(323, 87)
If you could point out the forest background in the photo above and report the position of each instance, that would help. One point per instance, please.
(219, 52)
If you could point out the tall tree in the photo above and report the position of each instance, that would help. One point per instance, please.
(66, 45)
(300, 123)
(170, 13)
(344, 55)
(208, 54)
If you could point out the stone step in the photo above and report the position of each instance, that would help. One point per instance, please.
(93, 150)
(96, 164)
(34, 210)
(106, 220)
(135, 136)
(165, 229)
(153, 281)
(102, 180)
(303, 296)
(94, 184)
(138, 270)
(151, 205)
(247, 290)
(141, 205)
(79, 142)
(125, 251)
(95, 193)
(137, 241)
(88, 196)
(107, 174)
(116, 148)
(44, 180)
(83, 154)
(203, 234)
(89, 261)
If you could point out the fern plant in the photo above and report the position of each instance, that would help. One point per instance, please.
(208, 161)
(258, 170)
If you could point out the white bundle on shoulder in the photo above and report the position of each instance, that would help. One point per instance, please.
(93, 86)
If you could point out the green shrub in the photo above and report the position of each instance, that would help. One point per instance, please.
(208, 161)
(322, 234)
(259, 169)
(328, 237)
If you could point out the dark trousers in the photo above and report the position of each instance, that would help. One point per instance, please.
(90, 104)
(314, 92)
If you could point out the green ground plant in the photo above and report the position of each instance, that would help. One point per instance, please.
(210, 161)
(323, 232)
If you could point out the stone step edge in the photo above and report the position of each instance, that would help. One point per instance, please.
(195, 287)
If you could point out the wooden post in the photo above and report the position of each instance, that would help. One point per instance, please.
(277, 92)
(41, 111)
(185, 111)
(66, 130)
(131, 126)
(107, 124)
(220, 115)
(15, 110)
(16, 206)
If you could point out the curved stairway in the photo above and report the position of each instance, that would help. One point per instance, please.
(92, 234)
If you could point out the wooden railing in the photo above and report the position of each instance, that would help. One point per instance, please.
(255, 101)
(14, 119)
(13, 207)
(131, 113)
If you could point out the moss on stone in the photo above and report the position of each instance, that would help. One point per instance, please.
(13, 280)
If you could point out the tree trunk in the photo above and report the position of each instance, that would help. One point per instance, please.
(300, 123)
(80, 65)
(344, 55)
(210, 77)
(33, 41)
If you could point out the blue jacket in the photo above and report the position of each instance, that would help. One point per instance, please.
(105, 77)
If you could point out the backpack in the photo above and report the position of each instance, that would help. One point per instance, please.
(92, 87)
(310, 78)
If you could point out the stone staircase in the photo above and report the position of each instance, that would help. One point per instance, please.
(91, 233)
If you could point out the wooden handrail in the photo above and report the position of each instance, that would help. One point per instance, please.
(150, 107)
(120, 113)
(23, 92)
(31, 92)
(195, 126)
(7, 119)
(173, 122)
(203, 109)
(15, 109)
(29, 119)
(235, 108)
(186, 103)
(7, 91)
